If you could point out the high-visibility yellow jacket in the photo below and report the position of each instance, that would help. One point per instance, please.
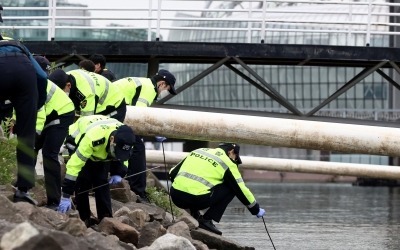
(57, 103)
(205, 168)
(138, 91)
(95, 93)
(91, 136)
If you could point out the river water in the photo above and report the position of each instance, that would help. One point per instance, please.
(317, 216)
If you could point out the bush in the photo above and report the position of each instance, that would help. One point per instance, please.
(8, 160)
(161, 199)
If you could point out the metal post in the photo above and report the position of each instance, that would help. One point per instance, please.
(158, 20)
(368, 38)
(264, 16)
(51, 32)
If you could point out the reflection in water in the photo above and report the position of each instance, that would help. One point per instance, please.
(317, 216)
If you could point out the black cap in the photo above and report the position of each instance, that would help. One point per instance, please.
(124, 138)
(43, 62)
(59, 77)
(236, 149)
(169, 78)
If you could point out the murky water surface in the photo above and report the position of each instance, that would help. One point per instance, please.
(317, 216)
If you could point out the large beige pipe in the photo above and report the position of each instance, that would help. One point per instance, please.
(298, 166)
(194, 125)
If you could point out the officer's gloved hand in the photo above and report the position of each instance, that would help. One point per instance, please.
(160, 138)
(65, 205)
(261, 213)
(115, 179)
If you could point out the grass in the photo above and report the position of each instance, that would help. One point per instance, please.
(8, 160)
(161, 199)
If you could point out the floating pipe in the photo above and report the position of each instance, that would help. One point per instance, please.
(278, 132)
(297, 166)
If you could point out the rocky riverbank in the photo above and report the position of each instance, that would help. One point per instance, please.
(133, 226)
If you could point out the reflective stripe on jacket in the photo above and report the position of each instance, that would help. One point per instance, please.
(96, 91)
(138, 91)
(57, 103)
(205, 168)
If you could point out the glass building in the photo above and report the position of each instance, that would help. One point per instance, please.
(303, 86)
(71, 34)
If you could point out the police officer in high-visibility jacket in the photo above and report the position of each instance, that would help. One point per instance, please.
(141, 92)
(210, 178)
(23, 83)
(97, 140)
(53, 121)
(91, 93)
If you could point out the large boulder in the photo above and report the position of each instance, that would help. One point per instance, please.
(170, 242)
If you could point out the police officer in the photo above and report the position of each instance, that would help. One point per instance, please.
(100, 67)
(97, 140)
(141, 92)
(53, 120)
(87, 65)
(23, 82)
(210, 178)
(91, 93)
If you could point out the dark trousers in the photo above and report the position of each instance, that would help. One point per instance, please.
(50, 141)
(93, 174)
(18, 84)
(216, 201)
(137, 164)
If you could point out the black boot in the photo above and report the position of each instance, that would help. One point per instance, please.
(208, 225)
(20, 196)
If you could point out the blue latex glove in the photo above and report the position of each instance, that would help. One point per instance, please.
(160, 138)
(65, 205)
(261, 213)
(115, 179)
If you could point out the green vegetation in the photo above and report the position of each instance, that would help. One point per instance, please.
(161, 199)
(6, 127)
(8, 160)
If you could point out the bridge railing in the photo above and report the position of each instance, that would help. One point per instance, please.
(256, 20)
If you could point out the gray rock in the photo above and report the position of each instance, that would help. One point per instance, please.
(124, 232)
(171, 242)
(150, 232)
(74, 226)
(121, 192)
(216, 241)
(18, 236)
(180, 229)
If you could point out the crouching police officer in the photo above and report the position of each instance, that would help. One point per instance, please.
(98, 140)
(210, 178)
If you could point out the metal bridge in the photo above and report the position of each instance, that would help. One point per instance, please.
(371, 59)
